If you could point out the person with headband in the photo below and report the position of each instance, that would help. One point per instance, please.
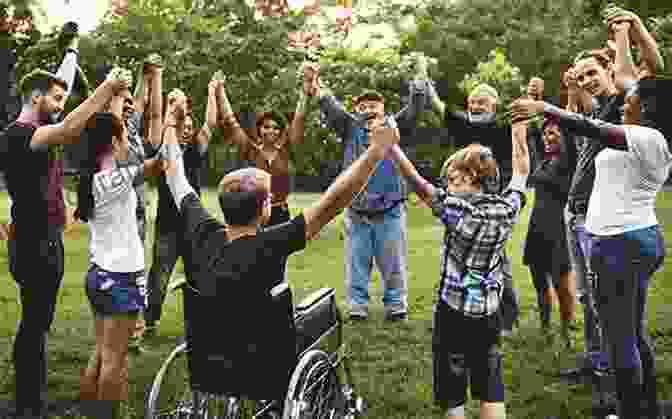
(114, 284)
(235, 265)
(374, 225)
(479, 125)
(479, 219)
(166, 247)
(627, 246)
(545, 252)
(34, 182)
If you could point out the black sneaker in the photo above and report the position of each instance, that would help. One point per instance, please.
(397, 317)
(358, 317)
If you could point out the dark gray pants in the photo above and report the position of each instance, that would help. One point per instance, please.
(164, 257)
(38, 271)
(509, 306)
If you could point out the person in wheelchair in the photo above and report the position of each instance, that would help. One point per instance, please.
(241, 343)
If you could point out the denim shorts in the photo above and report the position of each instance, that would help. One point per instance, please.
(113, 293)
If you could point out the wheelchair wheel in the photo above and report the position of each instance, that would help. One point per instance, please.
(171, 395)
(314, 389)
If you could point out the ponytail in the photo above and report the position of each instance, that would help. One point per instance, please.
(99, 131)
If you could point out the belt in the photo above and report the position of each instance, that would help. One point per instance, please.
(374, 214)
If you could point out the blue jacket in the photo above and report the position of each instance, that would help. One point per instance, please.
(386, 188)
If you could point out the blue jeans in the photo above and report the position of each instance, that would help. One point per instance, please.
(382, 238)
(624, 264)
(579, 251)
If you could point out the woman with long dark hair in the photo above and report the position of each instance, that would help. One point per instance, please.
(546, 252)
(115, 280)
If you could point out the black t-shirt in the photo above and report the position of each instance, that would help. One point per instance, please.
(234, 325)
(489, 134)
(166, 215)
(587, 149)
(27, 177)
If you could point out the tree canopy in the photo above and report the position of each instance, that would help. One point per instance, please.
(508, 40)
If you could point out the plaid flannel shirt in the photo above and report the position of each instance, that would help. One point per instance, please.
(477, 229)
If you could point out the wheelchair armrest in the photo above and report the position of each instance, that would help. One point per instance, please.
(313, 298)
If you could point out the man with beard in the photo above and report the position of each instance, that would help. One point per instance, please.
(478, 125)
(375, 223)
(34, 173)
(194, 146)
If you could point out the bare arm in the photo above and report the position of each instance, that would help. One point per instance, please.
(437, 104)
(156, 107)
(423, 188)
(349, 183)
(69, 130)
(227, 120)
(297, 128)
(520, 156)
(205, 133)
(625, 73)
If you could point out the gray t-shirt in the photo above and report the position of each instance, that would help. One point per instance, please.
(626, 183)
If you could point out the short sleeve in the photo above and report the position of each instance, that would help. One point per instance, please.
(108, 186)
(287, 238)
(649, 146)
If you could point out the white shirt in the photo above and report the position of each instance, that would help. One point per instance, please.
(626, 183)
(115, 244)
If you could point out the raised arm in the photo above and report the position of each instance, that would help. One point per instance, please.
(174, 127)
(625, 72)
(155, 105)
(337, 118)
(418, 92)
(227, 119)
(349, 183)
(297, 127)
(70, 129)
(205, 133)
(422, 187)
(648, 48)
(593, 129)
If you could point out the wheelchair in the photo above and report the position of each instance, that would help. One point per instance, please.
(320, 384)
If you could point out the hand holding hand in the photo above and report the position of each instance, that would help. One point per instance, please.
(383, 137)
(120, 79)
(153, 64)
(524, 109)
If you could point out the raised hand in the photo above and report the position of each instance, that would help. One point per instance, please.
(524, 109)
(614, 15)
(382, 136)
(310, 72)
(153, 64)
(120, 78)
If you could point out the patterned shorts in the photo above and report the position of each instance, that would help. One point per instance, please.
(115, 292)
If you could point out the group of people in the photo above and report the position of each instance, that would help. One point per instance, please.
(596, 167)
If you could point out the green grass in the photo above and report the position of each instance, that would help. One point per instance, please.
(392, 363)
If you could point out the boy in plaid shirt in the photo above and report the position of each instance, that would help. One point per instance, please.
(478, 223)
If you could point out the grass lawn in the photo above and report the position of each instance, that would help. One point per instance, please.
(392, 362)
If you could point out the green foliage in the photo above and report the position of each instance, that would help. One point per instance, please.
(196, 38)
